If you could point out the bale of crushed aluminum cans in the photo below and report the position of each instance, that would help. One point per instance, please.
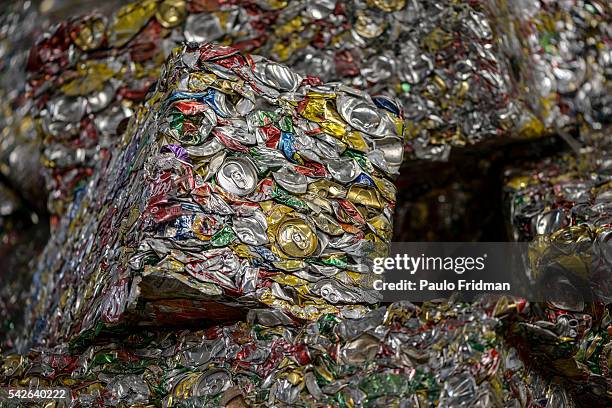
(23, 229)
(23, 198)
(21, 24)
(564, 206)
(440, 58)
(561, 56)
(20, 165)
(401, 355)
(568, 337)
(85, 81)
(242, 184)
(562, 191)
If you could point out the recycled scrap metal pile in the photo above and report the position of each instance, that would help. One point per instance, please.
(221, 176)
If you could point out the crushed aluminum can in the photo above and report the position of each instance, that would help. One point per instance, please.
(234, 227)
